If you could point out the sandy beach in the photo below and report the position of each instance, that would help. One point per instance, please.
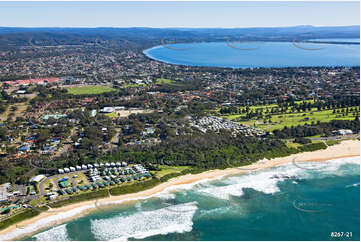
(345, 149)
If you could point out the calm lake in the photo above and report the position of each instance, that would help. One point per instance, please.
(257, 54)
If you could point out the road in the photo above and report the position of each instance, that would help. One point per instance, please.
(66, 147)
(115, 139)
(354, 136)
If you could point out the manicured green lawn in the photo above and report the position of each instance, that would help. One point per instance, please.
(89, 90)
(161, 81)
(278, 121)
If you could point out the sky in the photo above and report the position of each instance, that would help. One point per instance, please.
(178, 14)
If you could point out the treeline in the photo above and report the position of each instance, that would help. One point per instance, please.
(205, 151)
(179, 86)
(346, 103)
(318, 128)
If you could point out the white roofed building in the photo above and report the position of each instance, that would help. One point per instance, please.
(37, 179)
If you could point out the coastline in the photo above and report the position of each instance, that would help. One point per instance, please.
(347, 148)
(183, 62)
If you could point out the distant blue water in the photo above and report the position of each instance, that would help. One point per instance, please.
(257, 54)
(261, 205)
(339, 40)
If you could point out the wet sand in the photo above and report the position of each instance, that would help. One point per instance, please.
(348, 148)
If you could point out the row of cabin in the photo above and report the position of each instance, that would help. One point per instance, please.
(90, 166)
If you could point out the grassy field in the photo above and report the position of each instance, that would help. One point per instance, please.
(46, 184)
(282, 120)
(161, 81)
(89, 90)
(332, 142)
(81, 179)
(19, 112)
(129, 85)
(111, 115)
(292, 145)
(165, 170)
(278, 121)
(39, 201)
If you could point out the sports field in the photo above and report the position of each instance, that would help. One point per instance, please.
(89, 90)
(161, 81)
(280, 120)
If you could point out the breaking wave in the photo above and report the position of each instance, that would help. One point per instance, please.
(58, 233)
(146, 223)
(266, 181)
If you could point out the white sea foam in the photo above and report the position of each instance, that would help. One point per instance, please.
(138, 206)
(146, 223)
(328, 166)
(353, 185)
(263, 181)
(260, 180)
(166, 194)
(260, 183)
(58, 233)
(266, 181)
(51, 219)
(337, 163)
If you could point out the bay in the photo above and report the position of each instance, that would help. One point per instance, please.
(257, 54)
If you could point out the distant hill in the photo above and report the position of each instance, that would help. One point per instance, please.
(10, 36)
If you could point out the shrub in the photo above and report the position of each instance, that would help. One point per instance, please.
(136, 187)
(28, 213)
(80, 198)
(312, 147)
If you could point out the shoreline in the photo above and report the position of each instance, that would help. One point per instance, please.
(147, 53)
(347, 148)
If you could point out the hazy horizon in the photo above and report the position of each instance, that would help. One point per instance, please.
(178, 14)
(140, 27)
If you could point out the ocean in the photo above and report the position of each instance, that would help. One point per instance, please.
(303, 201)
(257, 54)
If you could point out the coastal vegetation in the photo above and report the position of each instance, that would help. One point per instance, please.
(312, 147)
(144, 185)
(153, 119)
(206, 151)
(135, 187)
(80, 198)
(26, 214)
(324, 129)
